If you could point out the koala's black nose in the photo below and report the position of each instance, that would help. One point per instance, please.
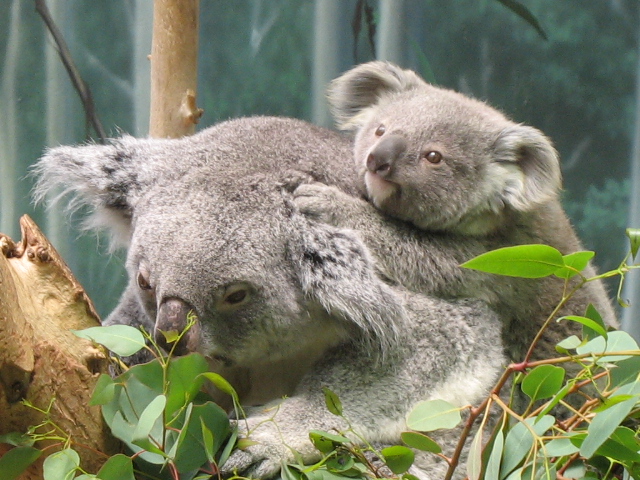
(385, 154)
(172, 317)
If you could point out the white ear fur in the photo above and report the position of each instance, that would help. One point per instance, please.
(363, 86)
(527, 167)
(97, 176)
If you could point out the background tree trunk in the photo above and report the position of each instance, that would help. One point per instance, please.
(174, 62)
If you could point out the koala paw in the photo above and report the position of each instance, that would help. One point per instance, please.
(264, 459)
(323, 203)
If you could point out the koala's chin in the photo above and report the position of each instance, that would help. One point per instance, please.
(379, 190)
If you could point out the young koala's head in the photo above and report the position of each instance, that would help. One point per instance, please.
(437, 158)
(209, 230)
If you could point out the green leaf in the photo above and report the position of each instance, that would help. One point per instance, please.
(170, 336)
(592, 314)
(519, 442)
(634, 238)
(334, 405)
(560, 447)
(493, 464)
(61, 465)
(192, 449)
(622, 446)
(474, 459)
(104, 390)
(544, 381)
(574, 263)
(148, 419)
(625, 371)
(221, 384)
(398, 458)
(326, 442)
(17, 439)
(569, 343)
(587, 322)
(526, 261)
(184, 381)
(118, 467)
(122, 340)
(228, 447)
(617, 341)
(564, 391)
(524, 13)
(340, 463)
(604, 424)
(16, 461)
(431, 415)
(420, 441)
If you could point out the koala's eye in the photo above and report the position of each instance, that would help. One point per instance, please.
(380, 131)
(143, 281)
(433, 157)
(235, 297)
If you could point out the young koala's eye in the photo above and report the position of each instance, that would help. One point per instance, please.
(143, 281)
(432, 157)
(380, 131)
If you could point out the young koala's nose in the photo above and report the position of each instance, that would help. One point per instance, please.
(172, 316)
(384, 155)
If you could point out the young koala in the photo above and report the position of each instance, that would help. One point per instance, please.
(469, 180)
(289, 304)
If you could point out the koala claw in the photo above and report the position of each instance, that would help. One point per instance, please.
(321, 202)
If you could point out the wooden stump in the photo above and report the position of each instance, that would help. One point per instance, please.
(40, 359)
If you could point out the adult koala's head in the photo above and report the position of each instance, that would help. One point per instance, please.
(210, 229)
(437, 158)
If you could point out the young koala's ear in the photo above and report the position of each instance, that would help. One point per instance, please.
(101, 177)
(363, 86)
(334, 269)
(528, 165)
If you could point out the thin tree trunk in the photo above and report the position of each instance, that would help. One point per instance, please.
(142, 32)
(391, 42)
(631, 293)
(174, 62)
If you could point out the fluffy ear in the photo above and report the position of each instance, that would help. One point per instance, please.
(363, 86)
(335, 270)
(101, 177)
(528, 165)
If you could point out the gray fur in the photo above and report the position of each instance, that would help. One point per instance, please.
(497, 185)
(285, 305)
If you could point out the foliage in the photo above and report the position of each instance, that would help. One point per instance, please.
(172, 430)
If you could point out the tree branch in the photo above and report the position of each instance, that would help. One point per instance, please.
(78, 83)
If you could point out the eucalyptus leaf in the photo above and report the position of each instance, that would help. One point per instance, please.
(560, 447)
(326, 442)
(625, 371)
(104, 391)
(333, 403)
(574, 263)
(118, 467)
(184, 381)
(525, 261)
(17, 460)
(398, 458)
(122, 340)
(341, 463)
(617, 341)
(593, 314)
(604, 424)
(569, 343)
(543, 381)
(587, 322)
(634, 238)
(495, 457)
(474, 458)
(61, 465)
(17, 439)
(420, 441)
(430, 415)
(519, 442)
(221, 384)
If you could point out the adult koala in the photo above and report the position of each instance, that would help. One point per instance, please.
(466, 180)
(290, 304)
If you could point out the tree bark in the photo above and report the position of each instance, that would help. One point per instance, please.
(40, 359)
(174, 62)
